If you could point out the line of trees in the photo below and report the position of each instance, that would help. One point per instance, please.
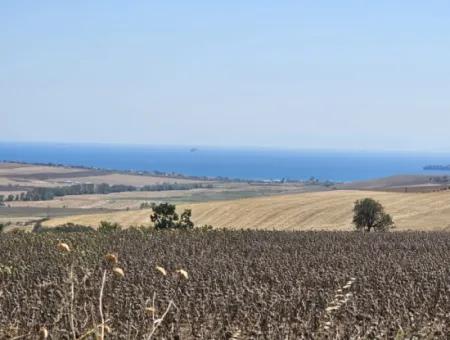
(10, 198)
(45, 194)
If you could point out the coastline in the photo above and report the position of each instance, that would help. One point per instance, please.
(156, 173)
(237, 165)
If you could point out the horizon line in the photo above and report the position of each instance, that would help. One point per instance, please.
(225, 147)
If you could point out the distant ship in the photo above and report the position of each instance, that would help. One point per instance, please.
(437, 167)
(193, 150)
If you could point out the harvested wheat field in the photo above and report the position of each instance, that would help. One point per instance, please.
(309, 211)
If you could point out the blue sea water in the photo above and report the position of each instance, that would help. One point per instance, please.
(257, 164)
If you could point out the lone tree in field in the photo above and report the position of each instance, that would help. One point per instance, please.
(369, 214)
(165, 217)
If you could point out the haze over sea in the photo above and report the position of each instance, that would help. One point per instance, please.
(245, 163)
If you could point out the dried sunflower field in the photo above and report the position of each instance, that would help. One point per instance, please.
(224, 285)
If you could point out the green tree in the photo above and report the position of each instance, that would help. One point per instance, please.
(369, 214)
(165, 217)
(185, 220)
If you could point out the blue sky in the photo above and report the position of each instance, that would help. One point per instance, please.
(299, 74)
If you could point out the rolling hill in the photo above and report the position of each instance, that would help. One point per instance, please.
(307, 211)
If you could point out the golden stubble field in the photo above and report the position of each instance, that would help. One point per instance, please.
(307, 211)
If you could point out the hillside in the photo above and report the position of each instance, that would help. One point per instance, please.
(400, 183)
(68, 198)
(318, 211)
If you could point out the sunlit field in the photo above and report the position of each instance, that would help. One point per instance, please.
(225, 285)
(330, 210)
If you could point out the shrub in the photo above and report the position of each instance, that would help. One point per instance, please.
(109, 227)
(185, 220)
(37, 227)
(67, 228)
(205, 227)
(369, 214)
(17, 231)
(145, 205)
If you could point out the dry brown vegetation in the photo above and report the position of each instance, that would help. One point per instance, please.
(317, 211)
(225, 285)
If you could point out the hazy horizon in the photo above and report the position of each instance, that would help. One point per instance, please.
(256, 148)
(292, 75)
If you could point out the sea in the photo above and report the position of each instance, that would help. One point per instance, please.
(240, 163)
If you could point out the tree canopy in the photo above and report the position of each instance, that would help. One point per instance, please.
(165, 217)
(369, 214)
